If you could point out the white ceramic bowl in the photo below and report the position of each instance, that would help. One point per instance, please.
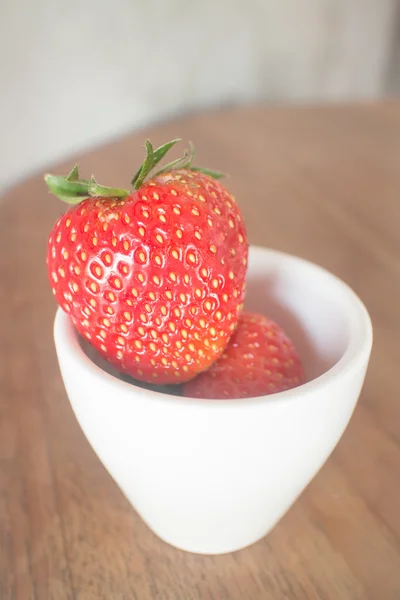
(213, 476)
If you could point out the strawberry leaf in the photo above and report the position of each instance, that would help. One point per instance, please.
(73, 190)
(153, 157)
(213, 174)
(146, 167)
(174, 164)
(190, 157)
(162, 150)
(183, 162)
(95, 189)
(74, 174)
(69, 191)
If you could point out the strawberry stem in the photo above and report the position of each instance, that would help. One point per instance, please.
(72, 189)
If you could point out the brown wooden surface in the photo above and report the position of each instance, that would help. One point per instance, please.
(323, 183)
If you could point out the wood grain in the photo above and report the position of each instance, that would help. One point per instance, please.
(322, 183)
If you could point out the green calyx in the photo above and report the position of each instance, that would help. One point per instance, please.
(72, 189)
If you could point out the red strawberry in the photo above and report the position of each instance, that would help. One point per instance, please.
(153, 278)
(259, 359)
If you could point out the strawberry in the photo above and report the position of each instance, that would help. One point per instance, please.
(259, 359)
(153, 278)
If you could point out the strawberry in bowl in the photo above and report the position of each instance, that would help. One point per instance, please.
(259, 360)
(152, 277)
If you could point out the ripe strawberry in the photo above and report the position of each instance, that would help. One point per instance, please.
(259, 359)
(153, 278)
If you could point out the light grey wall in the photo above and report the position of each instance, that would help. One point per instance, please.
(73, 73)
(393, 68)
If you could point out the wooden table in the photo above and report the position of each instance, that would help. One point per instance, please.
(323, 183)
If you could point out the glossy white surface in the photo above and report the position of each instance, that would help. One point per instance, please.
(215, 476)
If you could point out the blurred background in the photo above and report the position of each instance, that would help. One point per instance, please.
(75, 73)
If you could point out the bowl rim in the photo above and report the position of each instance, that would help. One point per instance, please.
(358, 348)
